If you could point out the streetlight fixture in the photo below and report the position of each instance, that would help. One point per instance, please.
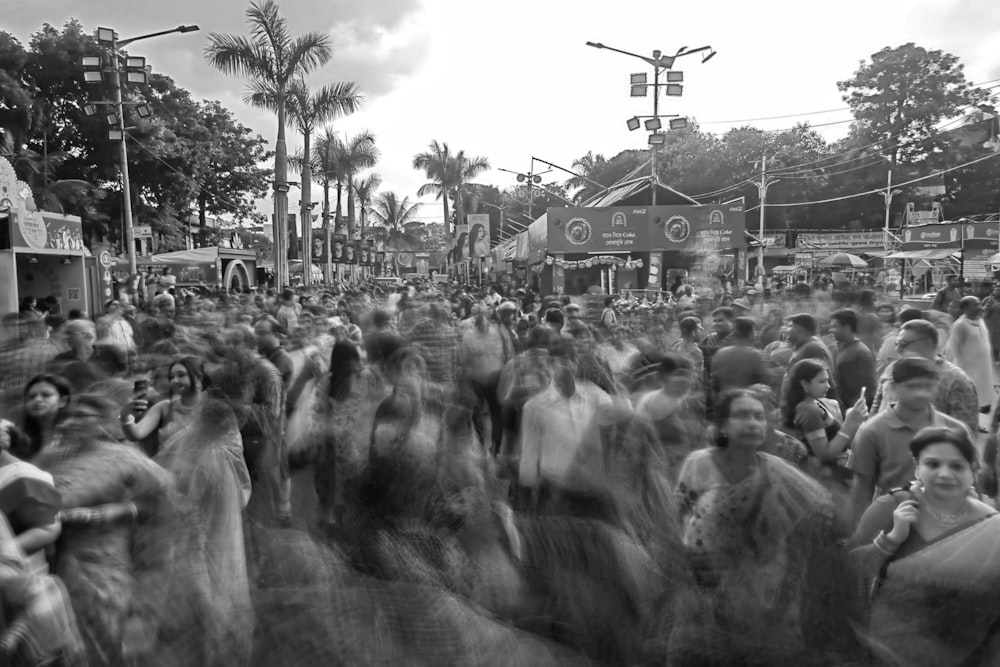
(532, 179)
(639, 87)
(136, 71)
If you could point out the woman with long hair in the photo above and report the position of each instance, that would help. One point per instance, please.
(761, 538)
(929, 554)
(818, 422)
(45, 398)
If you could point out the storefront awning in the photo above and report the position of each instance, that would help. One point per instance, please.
(932, 253)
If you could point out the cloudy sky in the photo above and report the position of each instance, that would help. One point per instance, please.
(513, 79)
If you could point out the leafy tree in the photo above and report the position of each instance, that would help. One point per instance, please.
(899, 97)
(271, 59)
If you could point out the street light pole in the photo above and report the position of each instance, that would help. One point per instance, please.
(639, 87)
(116, 86)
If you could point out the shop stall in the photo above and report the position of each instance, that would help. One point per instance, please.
(41, 253)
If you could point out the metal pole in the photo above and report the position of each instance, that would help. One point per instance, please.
(763, 207)
(116, 86)
(656, 114)
(888, 206)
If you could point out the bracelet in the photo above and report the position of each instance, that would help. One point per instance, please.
(884, 544)
(128, 421)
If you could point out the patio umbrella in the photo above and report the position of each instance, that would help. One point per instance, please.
(843, 259)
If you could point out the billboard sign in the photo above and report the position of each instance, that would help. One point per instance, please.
(697, 229)
(598, 230)
(928, 237)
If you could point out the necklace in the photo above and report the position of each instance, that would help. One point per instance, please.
(945, 517)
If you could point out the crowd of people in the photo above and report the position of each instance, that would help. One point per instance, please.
(449, 475)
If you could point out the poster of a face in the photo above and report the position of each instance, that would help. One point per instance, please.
(318, 248)
(364, 258)
(461, 250)
(479, 235)
(337, 252)
(351, 253)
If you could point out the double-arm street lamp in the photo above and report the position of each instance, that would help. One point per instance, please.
(136, 71)
(672, 86)
(532, 180)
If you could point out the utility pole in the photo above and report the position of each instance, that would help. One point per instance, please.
(762, 187)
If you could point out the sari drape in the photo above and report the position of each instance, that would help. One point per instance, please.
(211, 580)
(940, 605)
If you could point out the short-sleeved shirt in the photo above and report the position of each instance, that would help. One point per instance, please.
(881, 449)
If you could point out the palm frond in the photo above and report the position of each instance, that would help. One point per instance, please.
(267, 24)
(307, 52)
(430, 189)
(237, 55)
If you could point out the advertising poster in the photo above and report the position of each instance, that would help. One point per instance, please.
(697, 229)
(598, 230)
(351, 252)
(338, 242)
(930, 237)
(479, 234)
(460, 253)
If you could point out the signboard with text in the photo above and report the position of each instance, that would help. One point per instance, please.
(697, 229)
(981, 235)
(840, 240)
(927, 237)
(598, 230)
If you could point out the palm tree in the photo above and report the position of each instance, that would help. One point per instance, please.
(365, 189)
(393, 213)
(271, 60)
(310, 110)
(449, 174)
(586, 167)
(353, 154)
(466, 169)
(435, 163)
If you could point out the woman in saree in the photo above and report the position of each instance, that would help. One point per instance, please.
(112, 496)
(770, 586)
(930, 556)
(211, 619)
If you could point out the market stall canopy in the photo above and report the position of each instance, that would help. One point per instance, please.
(843, 259)
(788, 268)
(929, 253)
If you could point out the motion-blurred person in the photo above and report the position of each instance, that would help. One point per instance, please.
(771, 587)
(674, 409)
(969, 349)
(855, 363)
(28, 498)
(991, 317)
(888, 353)
(86, 361)
(955, 396)
(687, 345)
(435, 339)
(739, 364)
(483, 352)
(112, 496)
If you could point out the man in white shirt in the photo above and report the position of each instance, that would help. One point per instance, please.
(560, 445)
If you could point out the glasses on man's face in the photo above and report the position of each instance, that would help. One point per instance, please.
(903, 344)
